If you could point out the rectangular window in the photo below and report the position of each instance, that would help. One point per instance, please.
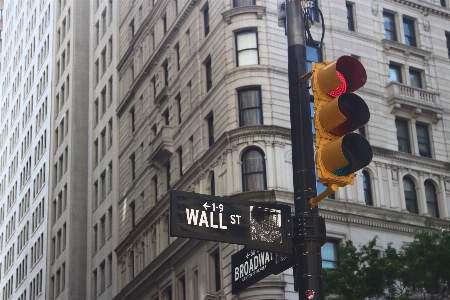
(164, 20)
(350, 21)
(97, 71)
(155, 187)
(168, 171)
(110, 221)
(132, 28)
(103, 141)
(247, 48)
(415, 78)
(178, 101)
(95, 195)
(94, 284)
(132, 214)
(210, 122)
(104, 64)
(132, 119)
(215, 272)
(180, 160)
(402, 135)
(250, 109)
(208, 73)
(110, 89)
(104, 22)
(395, 73)
(110, 125)
(103, 230)
(103, 99)
(103, 185)
(206, 19)
(410, 34)
(177, 52)
(97, 34)
(423, 140)
(95, 238)
(329, 255)
(447, 36)
(102, 277)
(166, 73)
(96, 151)
(389, 26)
(182, 288)
(443, 4)
(133, 167)
(312, 55)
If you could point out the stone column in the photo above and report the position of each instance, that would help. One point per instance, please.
(443, 198)
(420, 191)
(401, 191)
(379, 186)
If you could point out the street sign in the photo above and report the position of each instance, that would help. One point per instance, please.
(260, 226)
(250, 266)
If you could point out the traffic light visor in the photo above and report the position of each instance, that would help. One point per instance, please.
(346, 74)
(344, 114)
(347, 154)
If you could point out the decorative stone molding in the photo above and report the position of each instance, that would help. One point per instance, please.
(259, 10)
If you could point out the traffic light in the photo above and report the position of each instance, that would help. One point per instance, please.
(338, 112)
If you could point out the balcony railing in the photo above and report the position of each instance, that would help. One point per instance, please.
(162, 145)
(416, 100)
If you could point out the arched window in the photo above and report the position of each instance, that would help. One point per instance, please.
(430, 195)
(253, 170)
(367, 188)
(410, 195)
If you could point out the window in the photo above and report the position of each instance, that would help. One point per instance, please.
(415, 78)
(182, 288)
(212, 183)
(97, 71)
(177, 52)
(131, 264)
(95, 237)
(110, 222)
(164, 19)
(110, 46)
(402, 135)
(95, 195)
(132, 214)
(447, 37)
(133, 167)
(206, 19)
(180, 160)
(215, 271)
(350, 21)
(210, 121)
(410, 35)
(238, 3)
(178, 101)
(410, 195)
(166, 117)
(97, 33)
(329, 255)
(166, 73)
(110, 89)
(395, 73)
(132, 119)
(132, 28)
(103, 141)
(103, 185)
(253, 170)
(367, 188)
(430, 195)
(102, 277)
(110, 125)
(104, 21)
(168, 176)
(104, 60)
(103, 230)
(208, 72)
(96, 151)
(312, 55)
(155, 187)
(389, 26)
(423, 140)
(443, 3)
(247, 48)
(250, 111)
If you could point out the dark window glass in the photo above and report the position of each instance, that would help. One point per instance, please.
(415, 78)
(133, 167)
(211, 130)
(410, 195)
(443, 4)
(212, 184)
(166, 73)
(447, 36)
(133, 214)
(250, 107)
(410, 35)
(208, 71)
(247, 48)
(402, 135)
(367, 188)
(164, 24)
(350, 21)
(389, 26)
(132, 119)
(238, 3)
(217, 271)
(180, 160)
(395, 73)
(206, 19)
(430, 195)
(168, 176)
(330, 255)
(253, 170)
(423, 140)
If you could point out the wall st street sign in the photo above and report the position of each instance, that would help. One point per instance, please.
(261, 226)
(250, 266)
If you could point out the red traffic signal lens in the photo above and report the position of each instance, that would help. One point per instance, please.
(340, 89)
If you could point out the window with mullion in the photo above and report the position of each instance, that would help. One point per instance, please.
(389, 26)
(423, 140)
(415, 78)
(330, 255)
(402, 135)
(410, 34)
(430, 195)
(410, 195)
(395, 73)
(250, 112)
(253, 170)
(312, 55)
(247, 48)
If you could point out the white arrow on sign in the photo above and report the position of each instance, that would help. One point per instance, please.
(206, 205)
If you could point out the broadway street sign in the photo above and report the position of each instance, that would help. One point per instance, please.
(250, 266)
(261, 226)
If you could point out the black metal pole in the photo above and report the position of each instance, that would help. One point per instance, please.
(309, 232)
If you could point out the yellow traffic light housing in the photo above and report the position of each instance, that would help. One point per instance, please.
(338, 112)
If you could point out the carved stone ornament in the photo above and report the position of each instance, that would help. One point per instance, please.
(375, 8)
(394, 173)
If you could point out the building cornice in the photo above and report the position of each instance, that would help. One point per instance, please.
(420, 5)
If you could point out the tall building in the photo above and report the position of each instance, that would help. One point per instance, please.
(203, 106)
(26, 97)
